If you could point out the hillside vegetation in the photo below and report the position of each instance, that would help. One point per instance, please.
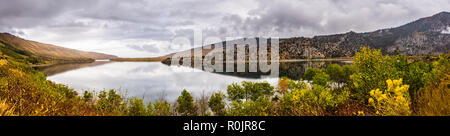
(47, 51)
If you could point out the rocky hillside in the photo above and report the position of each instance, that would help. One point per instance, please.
(47, 51)
(426, 36)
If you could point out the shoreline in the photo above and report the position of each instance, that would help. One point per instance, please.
(156, 59)
(284, 60)
(310, 60)
(60, 62)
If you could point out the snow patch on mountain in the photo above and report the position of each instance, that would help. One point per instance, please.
(446, 30)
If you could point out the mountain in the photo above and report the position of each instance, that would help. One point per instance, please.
(47, 51)
(426, 36)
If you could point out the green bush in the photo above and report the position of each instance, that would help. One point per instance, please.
(260, 107)
(321, 78)
(439, 69)
(235, 92)
(136, 107)
(186, 105)
(373, 71)
(162, 108)
(348, 70)
(217, 104)
(110, 102)
(249, 90)
(415, 75)
(150, 109)
(88, 96)
(311, 72)
(335, 72)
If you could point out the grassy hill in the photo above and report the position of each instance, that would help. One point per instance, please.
(44, 51)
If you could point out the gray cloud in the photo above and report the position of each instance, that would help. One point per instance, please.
(117, 24)
(31, 13)
(308, 18)
(147, 47)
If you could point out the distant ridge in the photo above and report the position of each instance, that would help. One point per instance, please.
(49, 51)
(425, 36)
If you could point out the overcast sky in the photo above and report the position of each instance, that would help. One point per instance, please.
(145, 28)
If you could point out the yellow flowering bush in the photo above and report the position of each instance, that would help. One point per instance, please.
(318, 100)
(394, 101)
(17, 72)
(3, 62)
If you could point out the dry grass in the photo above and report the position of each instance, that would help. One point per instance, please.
(30, 94)
(434, 98)
(6, 109)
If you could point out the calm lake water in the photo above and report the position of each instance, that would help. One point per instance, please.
(154, 80)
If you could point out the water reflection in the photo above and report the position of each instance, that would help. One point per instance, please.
(152, 80)
(295, 70)
(61, 68)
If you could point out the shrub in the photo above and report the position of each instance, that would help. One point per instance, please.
(393, 101)
(66, 91)
(249, 90)
(3, 62)
(217, 104)
(260, 107)
(88, 96)
(415, 76)
(235, 92)
(289, 84)
(311, 72)
(440, 68)
(257, 90)
(321, 78)
(335, 72)
(110, 102)
(150, 109)
(373, 70)
(316, 101)
(136, 107)
(348, 70)
(186, 105)
(162, 108)
(283, 85)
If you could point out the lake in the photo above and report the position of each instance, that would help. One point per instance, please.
(155, 81)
